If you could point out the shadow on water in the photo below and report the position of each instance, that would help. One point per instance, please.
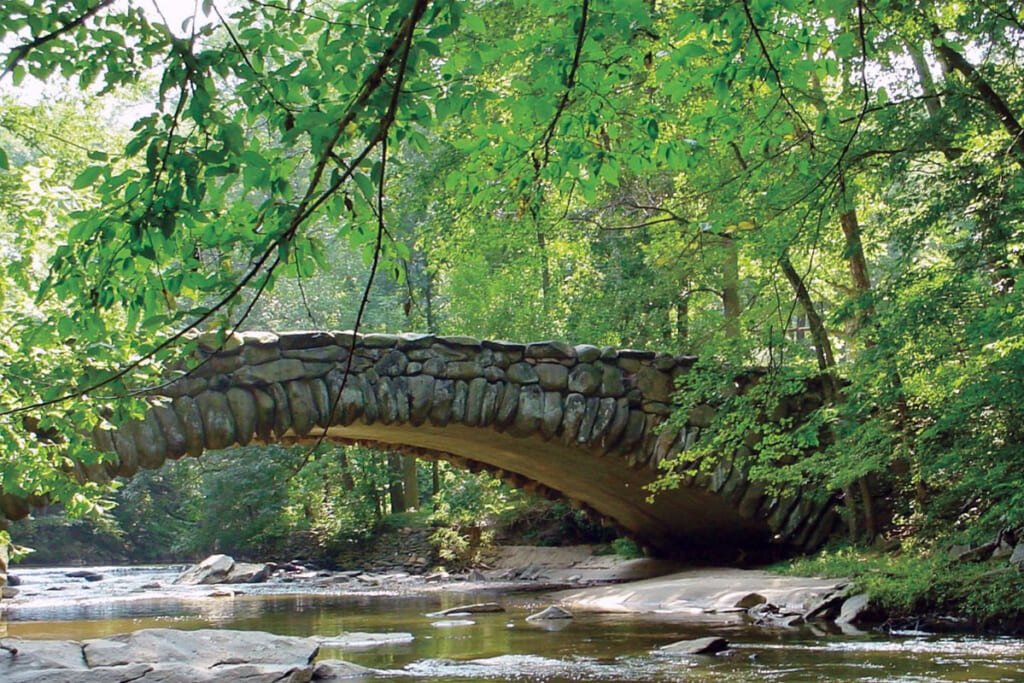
(499, 646)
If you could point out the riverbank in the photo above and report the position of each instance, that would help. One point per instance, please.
(885, 592)
(478, 625)
(955, 589)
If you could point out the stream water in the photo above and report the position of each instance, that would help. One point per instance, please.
(499, 646)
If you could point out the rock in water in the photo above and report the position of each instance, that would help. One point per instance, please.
(552, 612)
(360, 640)
(452, 623)
(477, 608)
(248, 572)
(162, 656)
(852, 609)
(699, 646)
(336, 669)
(203, 648)
(213, 569)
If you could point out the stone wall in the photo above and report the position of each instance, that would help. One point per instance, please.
(561, 401)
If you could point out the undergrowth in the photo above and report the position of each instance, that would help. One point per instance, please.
(922, 581)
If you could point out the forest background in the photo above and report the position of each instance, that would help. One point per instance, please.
(824, 189)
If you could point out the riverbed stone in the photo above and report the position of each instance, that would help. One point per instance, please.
(214, 569)
(249, 572)
(362, 640)
(202, 649)
(550, 612)
(475, 608)
(23, 655)
(698, 646)
(853, 607)
(337, 670)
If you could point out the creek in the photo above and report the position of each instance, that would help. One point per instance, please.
(498, 646)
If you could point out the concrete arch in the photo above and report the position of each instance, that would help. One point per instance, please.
(575, 421)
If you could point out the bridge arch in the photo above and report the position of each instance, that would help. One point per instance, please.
(580, 422)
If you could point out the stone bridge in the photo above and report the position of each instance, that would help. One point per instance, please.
(575, 422)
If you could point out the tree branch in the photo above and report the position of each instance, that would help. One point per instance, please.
(570, 83)
(954, 61)
(19, 53)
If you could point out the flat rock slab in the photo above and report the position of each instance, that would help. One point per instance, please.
(173, 673)
(477, 608)
(162, 656)
(204, 648)
(359, 640)
(40, 654)
(697, 646)
(702, 591)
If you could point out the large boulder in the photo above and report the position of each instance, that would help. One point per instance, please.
(213, 569)
(249, 572)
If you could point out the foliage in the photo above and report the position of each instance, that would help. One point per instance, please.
(923, 581)
(465, 514)
(831, 191)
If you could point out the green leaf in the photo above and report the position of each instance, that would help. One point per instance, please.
(88, 177)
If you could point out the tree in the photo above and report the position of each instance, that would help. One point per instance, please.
(715, 166)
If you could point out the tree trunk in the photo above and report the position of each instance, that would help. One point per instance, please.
(861, 278)
(682, 323)
(822, 344)
(954, 61)
(545, 272)
(435, 479)
(857, 263)
(410, 484)
(731, 286)
(395, 488)
(348, 483)
(924, 78)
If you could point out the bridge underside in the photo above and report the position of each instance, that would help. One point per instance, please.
(683, 523)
